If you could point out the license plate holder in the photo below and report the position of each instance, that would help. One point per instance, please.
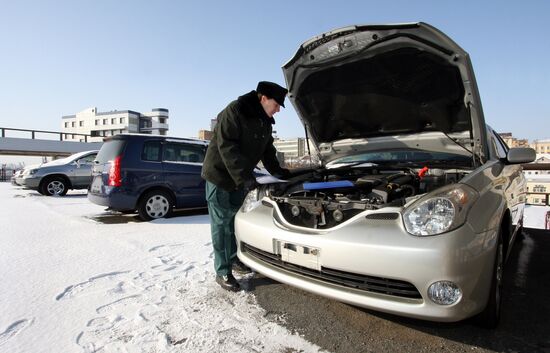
(301, 255)
(96, 185)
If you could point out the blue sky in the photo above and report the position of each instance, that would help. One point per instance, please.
(193, 57)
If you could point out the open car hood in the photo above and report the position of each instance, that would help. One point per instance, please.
(359, 83)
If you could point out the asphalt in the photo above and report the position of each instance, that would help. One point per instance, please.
(338, 327)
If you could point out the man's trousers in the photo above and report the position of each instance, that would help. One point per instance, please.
(222, 207)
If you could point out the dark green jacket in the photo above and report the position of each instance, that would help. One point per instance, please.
(241, 138)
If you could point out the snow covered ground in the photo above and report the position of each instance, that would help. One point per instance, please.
(69, 283)
(72, 284)
(535, 216)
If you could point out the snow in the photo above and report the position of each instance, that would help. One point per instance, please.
(535, 216)
(70, 283)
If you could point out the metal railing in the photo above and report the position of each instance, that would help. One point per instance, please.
(6, 173)
(33, 133)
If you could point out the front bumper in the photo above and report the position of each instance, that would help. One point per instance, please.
(29, 182)
(377, 248)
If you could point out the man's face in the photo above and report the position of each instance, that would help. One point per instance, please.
(270, 106)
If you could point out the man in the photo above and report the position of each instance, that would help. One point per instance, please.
(242, 137)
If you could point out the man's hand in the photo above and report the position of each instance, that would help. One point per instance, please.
(250, 184)
(283, 174)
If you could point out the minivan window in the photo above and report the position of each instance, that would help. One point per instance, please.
(110, 150)
(151, 151)
(183, 152)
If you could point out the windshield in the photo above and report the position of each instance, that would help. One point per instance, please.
(403, 157)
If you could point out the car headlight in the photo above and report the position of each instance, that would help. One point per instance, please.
(253, 199)
(440, 211)
(33, 171)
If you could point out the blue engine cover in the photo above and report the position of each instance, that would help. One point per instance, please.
(328, 185)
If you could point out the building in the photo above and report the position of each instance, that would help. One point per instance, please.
(101, 124)
(511, 141)
(293, 148)
(541, 146)
(213, 123)
(295, 152)
(205, 135)
(538, 189)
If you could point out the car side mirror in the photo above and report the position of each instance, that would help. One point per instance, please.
(520, 155)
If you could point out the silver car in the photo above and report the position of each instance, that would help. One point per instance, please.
(417, 202)
(58, 176)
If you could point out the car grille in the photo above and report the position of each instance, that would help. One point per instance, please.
(347, 279)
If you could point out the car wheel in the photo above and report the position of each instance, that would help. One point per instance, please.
(490, 316)
(55, 186)
(155, 204)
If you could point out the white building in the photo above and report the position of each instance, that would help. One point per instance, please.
(295, 152)
(101, 124)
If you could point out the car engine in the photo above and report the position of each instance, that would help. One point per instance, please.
(325, 198)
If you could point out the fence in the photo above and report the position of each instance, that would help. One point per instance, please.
(34, 132)
(6, 173)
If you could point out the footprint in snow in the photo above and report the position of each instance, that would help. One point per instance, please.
(76, 288)
(14, 329)
(118, 303)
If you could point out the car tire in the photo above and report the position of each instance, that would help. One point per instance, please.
(490, 316)
(54, 186)
(155, 204)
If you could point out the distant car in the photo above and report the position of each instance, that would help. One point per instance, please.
(149, 174)
(417, 203)
(17, 178)
(57, 177)
(15, 175)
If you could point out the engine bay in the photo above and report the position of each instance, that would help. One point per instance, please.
(325, 198)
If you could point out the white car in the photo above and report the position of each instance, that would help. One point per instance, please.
(417, 202)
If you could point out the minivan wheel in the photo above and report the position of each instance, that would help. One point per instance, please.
(155, 204)
(490, 316)
(55, 186)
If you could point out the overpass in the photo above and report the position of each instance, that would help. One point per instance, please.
(52, 145)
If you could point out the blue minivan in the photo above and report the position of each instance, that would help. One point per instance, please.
(150, 174)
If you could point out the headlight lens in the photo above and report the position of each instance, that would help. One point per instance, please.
(440, 212)
(32, 171)
(252, 200)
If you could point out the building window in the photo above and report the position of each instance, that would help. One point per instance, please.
(122, 120)
(105, 121)
(113, 121)
(66, 124)
(73, 124)
(97, 122)
(162, 120)
(72, 136)
(539, 188)
(81, 123)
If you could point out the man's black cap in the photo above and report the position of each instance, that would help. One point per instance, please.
(272, 90)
